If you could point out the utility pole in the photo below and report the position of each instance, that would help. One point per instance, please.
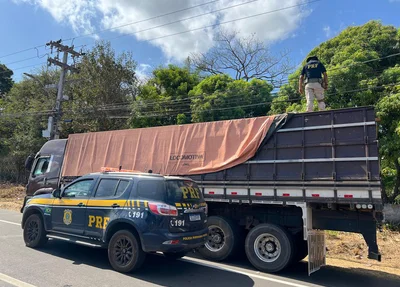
(54, 121)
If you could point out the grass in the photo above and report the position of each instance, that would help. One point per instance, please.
(343, 249)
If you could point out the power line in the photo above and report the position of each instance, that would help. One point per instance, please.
(225, 22)
(24, 67)
(184, 19)
(172, 113)
(132, 23)
(141, 21)
(253, 105)
(19, 61)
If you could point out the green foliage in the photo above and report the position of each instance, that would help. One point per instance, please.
(357, 78)
(220, 97)
(6, 81)
(104, 89)
(102, 92)
(350, 80)
(163, 100)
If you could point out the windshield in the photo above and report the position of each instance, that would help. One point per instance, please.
(183, 191)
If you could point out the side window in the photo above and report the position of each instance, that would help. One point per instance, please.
(78, 189)
(106, 187)
(41, 166)
(152, 189)
(122, 186)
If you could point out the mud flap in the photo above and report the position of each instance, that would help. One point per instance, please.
(316, 250)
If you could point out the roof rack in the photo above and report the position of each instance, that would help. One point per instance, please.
(126, 171)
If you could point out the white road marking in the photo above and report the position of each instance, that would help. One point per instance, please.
(224, 267)
(14, 282)
(5, 221)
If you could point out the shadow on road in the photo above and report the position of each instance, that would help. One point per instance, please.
(162, 271)
(156, 269)
(332, 276)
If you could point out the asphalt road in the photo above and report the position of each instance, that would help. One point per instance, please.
(67, 265)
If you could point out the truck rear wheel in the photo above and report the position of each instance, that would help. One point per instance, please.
(269, 247)
(124, 252)
(223, 239)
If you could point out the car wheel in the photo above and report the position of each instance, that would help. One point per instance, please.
(124, 252)
(34, 232)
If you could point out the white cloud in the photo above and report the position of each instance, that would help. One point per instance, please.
(142, 72)
(393, 1)
(328, 31)
(82, 16)
(79, 14)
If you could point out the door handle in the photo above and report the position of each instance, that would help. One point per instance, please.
(81, 204)
(115, 205)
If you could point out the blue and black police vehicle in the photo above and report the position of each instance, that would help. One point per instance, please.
(130, 214)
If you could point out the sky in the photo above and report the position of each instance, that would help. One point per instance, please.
(141, 26)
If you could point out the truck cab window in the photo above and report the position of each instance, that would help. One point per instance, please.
(42, 166)
(78, 189)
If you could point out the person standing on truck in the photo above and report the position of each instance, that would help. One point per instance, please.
(315, 78)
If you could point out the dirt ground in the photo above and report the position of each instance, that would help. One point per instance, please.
(349, 250)
(343, 249)
(11, 196)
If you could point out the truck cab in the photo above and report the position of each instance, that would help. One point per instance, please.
(44, 168)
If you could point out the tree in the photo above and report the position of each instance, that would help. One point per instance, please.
(99, 95)
(245, 57)
(361, 65)
(353, 63)
(102, 92)
(26, 108)
(220, 97)
(164, 100)
(6, 81)
(389, 114)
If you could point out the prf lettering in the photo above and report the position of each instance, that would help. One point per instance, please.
(190, 192)
(98, 221)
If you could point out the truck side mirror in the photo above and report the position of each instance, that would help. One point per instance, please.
(56, 193)
(29, 162)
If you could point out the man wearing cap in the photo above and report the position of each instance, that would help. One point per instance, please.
(315, 78)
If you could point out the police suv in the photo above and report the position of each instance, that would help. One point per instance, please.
(130, 214)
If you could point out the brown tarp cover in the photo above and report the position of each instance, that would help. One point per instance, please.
(170, 150)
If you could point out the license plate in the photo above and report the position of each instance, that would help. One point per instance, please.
(194, 217)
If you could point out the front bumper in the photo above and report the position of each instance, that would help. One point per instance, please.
(152, 242)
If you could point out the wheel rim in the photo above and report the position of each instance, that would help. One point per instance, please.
(32, 231)
(267, 247)
(123, 251)
(216, 238)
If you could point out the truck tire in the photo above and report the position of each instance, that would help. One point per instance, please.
(301, 248)
(34, 231)
(269, 247)
(124, 252)
(223, 239)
